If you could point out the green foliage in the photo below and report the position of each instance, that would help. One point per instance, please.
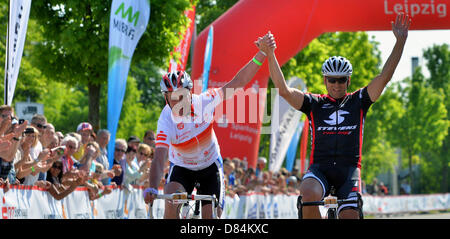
(210, 10)
(378, 154)
(74, 48)
(30, 83)
(65, 107)
(136, 118)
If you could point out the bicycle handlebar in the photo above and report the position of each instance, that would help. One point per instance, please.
(322, 203)
(182, 196)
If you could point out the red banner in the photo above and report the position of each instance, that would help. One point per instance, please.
(304, 145)
(185, 44)
(294, 24)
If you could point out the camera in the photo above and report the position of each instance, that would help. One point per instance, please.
(29, 131)
(15, 121)
(59, 150)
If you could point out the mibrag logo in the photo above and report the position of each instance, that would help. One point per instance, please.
(412, 9)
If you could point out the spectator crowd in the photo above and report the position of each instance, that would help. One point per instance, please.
(35, 154)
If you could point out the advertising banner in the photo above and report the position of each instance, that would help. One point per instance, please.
(19, 12)
(128, 22)
(285, 121)
(294, 25)
(184, 46)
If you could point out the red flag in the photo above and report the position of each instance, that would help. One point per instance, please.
(185, 44)
(303, 145)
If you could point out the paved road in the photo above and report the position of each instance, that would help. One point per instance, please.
(419, 216)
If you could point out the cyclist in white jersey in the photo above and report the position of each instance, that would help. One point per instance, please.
(186, 136)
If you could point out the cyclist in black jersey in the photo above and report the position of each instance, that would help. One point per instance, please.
(337, 122)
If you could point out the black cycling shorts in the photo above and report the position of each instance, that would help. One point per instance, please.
(210, 179)
(346, 181)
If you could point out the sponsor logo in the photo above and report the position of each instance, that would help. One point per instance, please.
(413, 9)
(332, 118)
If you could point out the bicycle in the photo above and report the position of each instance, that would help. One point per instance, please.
(184, 200)
(331, 203)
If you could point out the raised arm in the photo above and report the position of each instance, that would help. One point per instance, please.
(245, 74)
(292, 95)
(400, 30)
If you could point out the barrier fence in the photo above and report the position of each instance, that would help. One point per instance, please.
(26, 202)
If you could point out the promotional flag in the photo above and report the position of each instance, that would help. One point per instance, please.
(184, 46)
(208, 56)
(285, 120)
(19, 12)
(128, 22)
(292, 150)
(304, 145)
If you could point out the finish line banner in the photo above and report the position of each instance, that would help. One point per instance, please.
(31, 202)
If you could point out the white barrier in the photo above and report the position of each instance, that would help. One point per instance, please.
(23, 202)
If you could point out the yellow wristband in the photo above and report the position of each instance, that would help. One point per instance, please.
(257, 62)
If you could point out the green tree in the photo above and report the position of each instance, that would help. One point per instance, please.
(75, 34)
(30, 82)
(378, 153)
(424, 125)
(438, 63)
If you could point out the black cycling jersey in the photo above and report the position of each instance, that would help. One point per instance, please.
(337, 127)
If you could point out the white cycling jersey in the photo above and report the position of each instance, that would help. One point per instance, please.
(191, 140)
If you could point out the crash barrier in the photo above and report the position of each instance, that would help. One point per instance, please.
(23, 202)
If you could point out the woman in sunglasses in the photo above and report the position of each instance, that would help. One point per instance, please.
(131, 169)
(337, 122)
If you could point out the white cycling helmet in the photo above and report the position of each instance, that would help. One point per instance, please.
(337, 66)
(175, 80)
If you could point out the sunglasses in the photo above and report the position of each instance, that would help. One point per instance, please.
(120, 150)
(57, 167)
(341, 80)
(40, 126)
(146, 155)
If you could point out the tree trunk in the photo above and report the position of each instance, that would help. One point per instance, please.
(94, 105)
(444, 154)
(411, 173)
